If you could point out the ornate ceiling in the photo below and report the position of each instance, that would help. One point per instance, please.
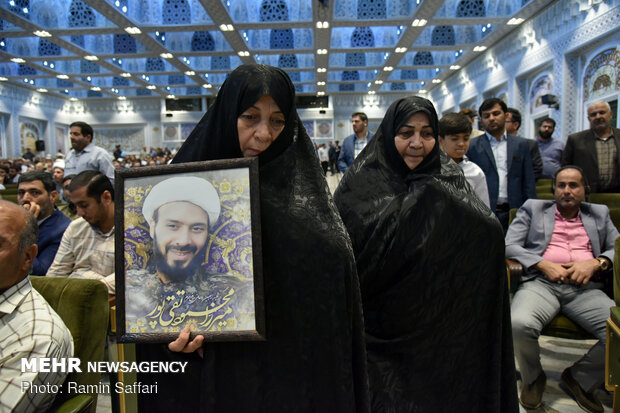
(93, 49)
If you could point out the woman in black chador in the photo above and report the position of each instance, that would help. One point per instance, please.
(313, 359)
(430, 258)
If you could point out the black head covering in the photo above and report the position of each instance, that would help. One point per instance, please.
(216, 137)
(314, 358)
(430, 259)
(397, 114)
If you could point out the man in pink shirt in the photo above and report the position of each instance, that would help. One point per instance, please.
(567, 248)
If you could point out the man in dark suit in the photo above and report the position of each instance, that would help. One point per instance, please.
(597, 150)
(567, 248)
(504, 159)
(513, 123)
(36, 192)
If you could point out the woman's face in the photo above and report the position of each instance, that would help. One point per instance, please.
(259, 126)
(414, 140)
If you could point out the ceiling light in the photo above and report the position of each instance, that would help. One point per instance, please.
(321, 51)
(388, 68)
(3, 79)
(62, 76)
(418, 23)
(243, 53)
(167, 55)
(436, 81)
(455, 67)
(122, 98)
(73, 99)
(321, 70)
(226, 27)
(378, 82)
(190, 73)
(95, 88)
(42, 33)
(133, 30)
(322, 25)
(515, 21)
(151, 87)
(480, 48)
(125, 74)
(320, 83)
(320, 93)
(401, 49)
(422, 91)
(42, 90)
(207, 85)
(171, 97)
(91, 58)
(18, 60)
(371, 92)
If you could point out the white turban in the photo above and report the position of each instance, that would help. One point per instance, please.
(198, 191)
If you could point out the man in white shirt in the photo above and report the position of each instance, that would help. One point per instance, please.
(454, 134)
(87, 246)
(84, 155)
(29, 327)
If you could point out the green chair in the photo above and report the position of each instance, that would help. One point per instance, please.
(612, 356)
(83, 306)
(560, 326)
(611, 200)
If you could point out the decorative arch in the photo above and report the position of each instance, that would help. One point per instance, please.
(154, 64)
(273, 11)
(471, 8)
(124, 43)
(281, 39)
(542, 85)
(81, 15)
(202, 42)
(601, 76)
(443, 35)
(47, 48)
(423, 58)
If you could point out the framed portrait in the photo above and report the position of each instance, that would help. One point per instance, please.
(190, 236)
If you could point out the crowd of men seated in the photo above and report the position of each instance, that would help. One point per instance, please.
(565, 245)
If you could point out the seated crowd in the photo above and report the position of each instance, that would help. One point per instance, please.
(61, 224)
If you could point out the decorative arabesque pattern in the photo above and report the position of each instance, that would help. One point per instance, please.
(355, 59)
(363, 37)
(154, 64)
(124, 43)
(220, 63)
(18, 6)
(81, 15)
(64, 83)
(88, 67)
(423, 58)
(176, 12)
(94, 94)
(281, 39)
(120, 81)
(176, 80)
(601, 75)
(23, 70)
(273, 11)
(371, 9)
(471, 8)
(409, 74)
(193, 90)
(47, 48)
(202, 42)
(442, 35)
(143, 92)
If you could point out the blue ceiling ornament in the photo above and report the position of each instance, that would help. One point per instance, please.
(371, 9)
(273, 10)
(202, 42)
(124, 43)
(154, 64)
(471, 8)
(81, 15)
(423, 58)
(176, 12)
(47, 48)
(443, 36)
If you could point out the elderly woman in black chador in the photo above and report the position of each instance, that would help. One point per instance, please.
(430, 258)
(313, 359)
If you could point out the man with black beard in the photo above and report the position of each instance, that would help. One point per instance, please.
(550, 149)
(175, 289)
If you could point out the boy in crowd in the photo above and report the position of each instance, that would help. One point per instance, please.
(454, 133)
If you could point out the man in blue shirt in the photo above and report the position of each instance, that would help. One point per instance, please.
(353, 144)
(36, 192)
(84, 155)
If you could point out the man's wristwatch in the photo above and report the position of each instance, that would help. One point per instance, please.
(604, 264)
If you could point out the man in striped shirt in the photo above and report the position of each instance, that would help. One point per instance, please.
(29, 327)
